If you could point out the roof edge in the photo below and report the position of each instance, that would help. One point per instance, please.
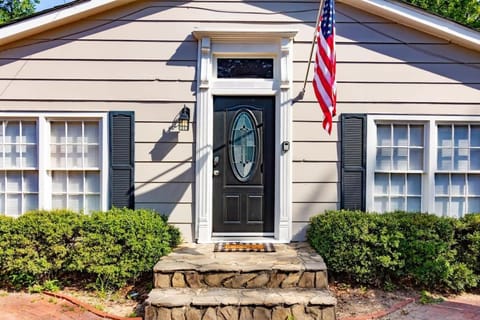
(55, 18)
(421, 20)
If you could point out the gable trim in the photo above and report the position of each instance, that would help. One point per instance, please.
(56, 18)
(421, 20)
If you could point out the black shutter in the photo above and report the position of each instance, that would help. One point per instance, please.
(353, 161)
(121, 147)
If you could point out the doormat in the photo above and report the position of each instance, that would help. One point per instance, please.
(243, 247)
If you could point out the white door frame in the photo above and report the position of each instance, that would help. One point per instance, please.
(276, 44)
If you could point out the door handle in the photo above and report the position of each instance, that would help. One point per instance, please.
(216, 160)
(216, 172)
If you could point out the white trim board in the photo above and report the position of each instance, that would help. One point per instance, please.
(238, 43)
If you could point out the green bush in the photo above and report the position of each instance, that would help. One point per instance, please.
(468, 241)
(40, 244)
(105, 248)
(400, 248)
(120, 244)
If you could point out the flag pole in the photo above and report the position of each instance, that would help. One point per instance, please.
(302, 93)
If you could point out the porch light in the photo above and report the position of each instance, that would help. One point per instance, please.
(184, 119)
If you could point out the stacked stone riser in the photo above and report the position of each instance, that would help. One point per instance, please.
(237, 280)
(297, 312)
(196, 283)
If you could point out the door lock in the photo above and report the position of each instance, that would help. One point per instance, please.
(216, 172)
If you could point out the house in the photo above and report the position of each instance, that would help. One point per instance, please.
(91, 94)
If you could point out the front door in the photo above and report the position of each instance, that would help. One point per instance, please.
(243, 164)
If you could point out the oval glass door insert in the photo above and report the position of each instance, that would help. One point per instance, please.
(243, 146)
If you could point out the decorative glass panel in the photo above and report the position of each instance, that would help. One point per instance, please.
(245, 68)
(243, 146)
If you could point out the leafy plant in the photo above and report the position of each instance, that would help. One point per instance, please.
(398, 248)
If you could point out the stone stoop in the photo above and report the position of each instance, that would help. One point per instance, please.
(195, 283)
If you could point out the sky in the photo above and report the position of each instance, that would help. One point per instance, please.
(45, 4)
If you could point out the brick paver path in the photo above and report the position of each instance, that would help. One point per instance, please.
(464, 307)
(20, 306)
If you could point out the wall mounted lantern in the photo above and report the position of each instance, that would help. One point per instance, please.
(184, 119)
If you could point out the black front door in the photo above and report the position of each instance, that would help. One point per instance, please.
(243, 164)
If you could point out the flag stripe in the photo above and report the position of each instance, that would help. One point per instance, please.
(324, 81)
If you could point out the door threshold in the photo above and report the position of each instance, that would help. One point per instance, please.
(261, 237)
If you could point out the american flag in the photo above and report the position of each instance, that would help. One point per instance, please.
(324, 82)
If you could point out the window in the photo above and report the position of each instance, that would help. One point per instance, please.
(18, 166)
(423, 164)
(245, 68)
(53, 161)
(399, 167)
(75, 165)
(457, 179)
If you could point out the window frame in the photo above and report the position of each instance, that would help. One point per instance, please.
(43, 120)
(431, 123)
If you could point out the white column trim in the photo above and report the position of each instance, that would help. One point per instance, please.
(277, 44)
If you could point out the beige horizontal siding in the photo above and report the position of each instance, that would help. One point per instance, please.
(167, 152)
(402, 92)
(315, 192)
(305, 210)
(162, 132)
(148, 172)
(316, 151)
(99, 70)
(315, 172)
(176, 212)
(313, 130)
(394, 53)
(98, 90)
(310, 111)
(163, 192)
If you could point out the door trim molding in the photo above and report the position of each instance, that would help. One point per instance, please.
(277, 44)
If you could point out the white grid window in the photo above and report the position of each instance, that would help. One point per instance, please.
(53, 161)
(399, 167)
(18, 167)
(457, 180)
(75, 165)
(423, 164)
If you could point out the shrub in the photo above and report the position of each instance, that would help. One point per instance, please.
(120, 244)
(468, 241)
(108, 248)
(401, 248)
(40, 244)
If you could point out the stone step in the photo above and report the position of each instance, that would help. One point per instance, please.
(197, 266)
(239, 304)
